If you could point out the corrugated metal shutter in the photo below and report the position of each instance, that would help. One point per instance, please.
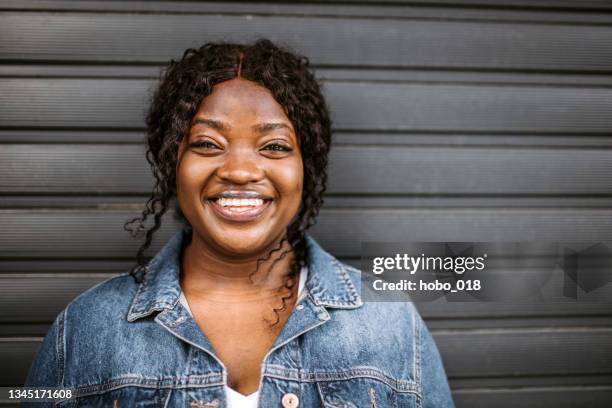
(454, 120)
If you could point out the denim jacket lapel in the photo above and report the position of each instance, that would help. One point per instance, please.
(328, 285)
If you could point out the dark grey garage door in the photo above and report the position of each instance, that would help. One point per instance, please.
(454, 120)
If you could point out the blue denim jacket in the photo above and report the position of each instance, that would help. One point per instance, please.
(123, 344)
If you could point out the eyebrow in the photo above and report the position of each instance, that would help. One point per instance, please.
(223, 126)
(268, 127)
(215, 124)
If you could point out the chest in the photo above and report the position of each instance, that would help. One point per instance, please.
(330, 357)
(241, 336)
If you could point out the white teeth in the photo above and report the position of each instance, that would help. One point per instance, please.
(240, 202)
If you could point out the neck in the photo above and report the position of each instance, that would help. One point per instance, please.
(207, 273)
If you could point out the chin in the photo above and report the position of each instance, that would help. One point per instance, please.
(243, 243)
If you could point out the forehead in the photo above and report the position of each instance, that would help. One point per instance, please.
(240, 98)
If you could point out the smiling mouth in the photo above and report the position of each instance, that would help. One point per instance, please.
(232, 207)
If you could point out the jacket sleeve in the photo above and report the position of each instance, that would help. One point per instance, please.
(46, 370)
(434, 383)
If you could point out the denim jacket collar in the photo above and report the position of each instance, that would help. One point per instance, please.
(328, 283)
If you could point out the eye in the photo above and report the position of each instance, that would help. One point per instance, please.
(276, 147)
(204, 144)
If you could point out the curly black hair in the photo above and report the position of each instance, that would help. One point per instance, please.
(183, 86)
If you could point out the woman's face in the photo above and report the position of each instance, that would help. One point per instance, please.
(239, 170)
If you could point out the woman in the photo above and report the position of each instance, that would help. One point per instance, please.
(241, 308)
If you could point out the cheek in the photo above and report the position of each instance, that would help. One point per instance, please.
(190, 176)
(289, 180)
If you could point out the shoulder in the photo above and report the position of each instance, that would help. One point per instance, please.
(83, 332)
(385, 317)
(120, 288)
(102, 304)
(387, 336)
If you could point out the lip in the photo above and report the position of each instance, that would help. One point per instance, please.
(243, 215)
(240, 194)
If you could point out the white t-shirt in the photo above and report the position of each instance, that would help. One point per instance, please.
(234, 398)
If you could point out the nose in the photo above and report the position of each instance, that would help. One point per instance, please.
(240, 167)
